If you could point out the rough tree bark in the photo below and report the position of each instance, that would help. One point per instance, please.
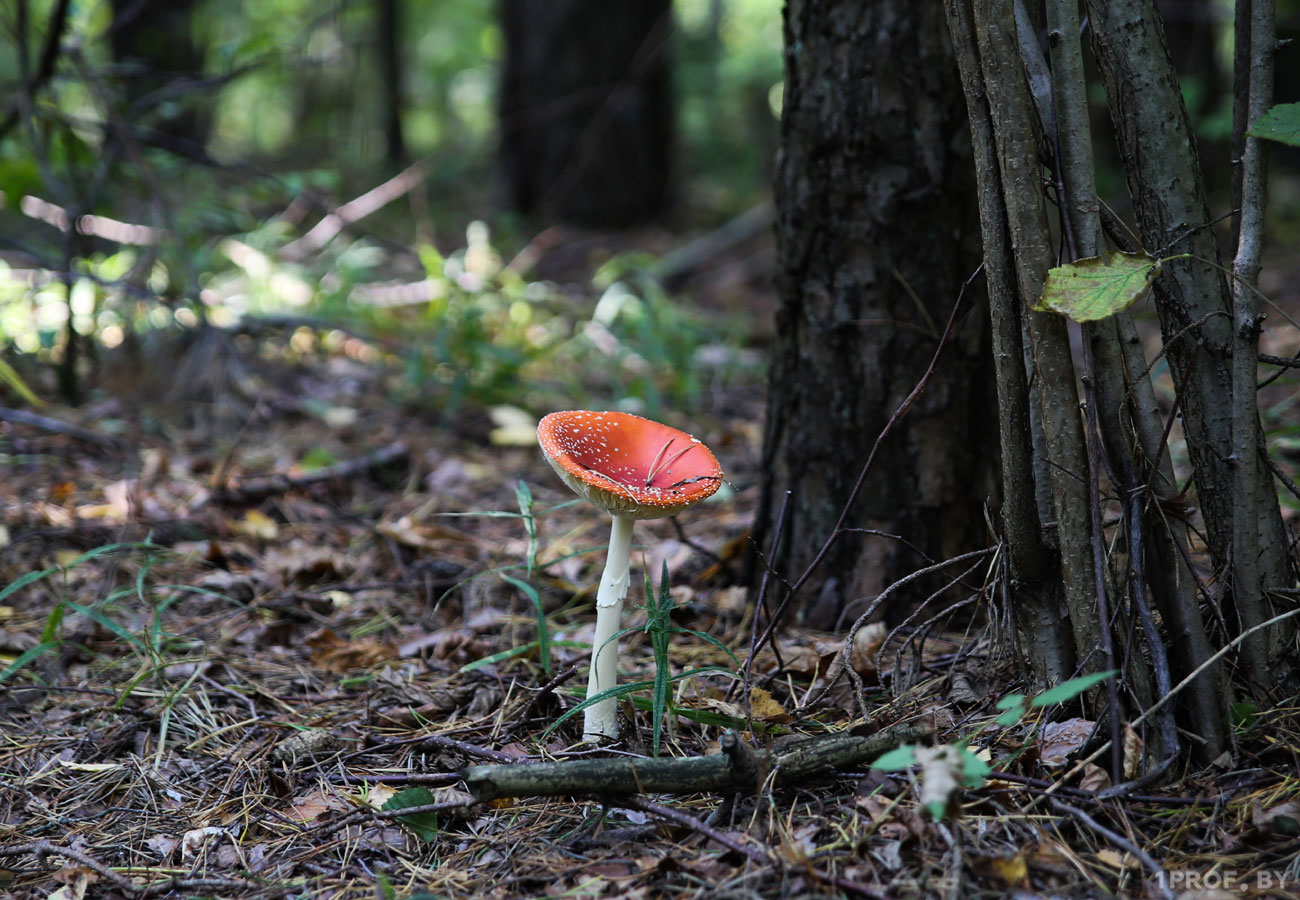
(586, 109)
(1193, 302)
(876, 232)
(1032, 139)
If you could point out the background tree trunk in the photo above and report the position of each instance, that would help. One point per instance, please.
(586, 109)
(876, 233)
(153, 42)
(388, 46)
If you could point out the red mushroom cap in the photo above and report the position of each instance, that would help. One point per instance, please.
(626, 464)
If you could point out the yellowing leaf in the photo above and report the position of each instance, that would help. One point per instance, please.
(1133, 750)
(514, 427)
(1097, 287)
(1115, 859)
(1012, 870)
(766, 707)
(89, 767)
(379, 794)
(256, 524)
(66, 557)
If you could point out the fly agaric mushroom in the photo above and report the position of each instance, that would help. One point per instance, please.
(635, 469)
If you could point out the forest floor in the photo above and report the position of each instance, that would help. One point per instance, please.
(225, 652)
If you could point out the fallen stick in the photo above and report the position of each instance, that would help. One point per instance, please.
(57, 426)
(737, 767)
(256, 487)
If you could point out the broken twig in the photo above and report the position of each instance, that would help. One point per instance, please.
(717, 772)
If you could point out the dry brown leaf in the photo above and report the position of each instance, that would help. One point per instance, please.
(336, 654)
(1094, 778)
(75, 881)
(876, 806)
(422, 535)
(1133, 747)
(304, 563)
(866, 644)
(962, 690)
(731, 601)
(1062, 739)
(162, 845)
(379, 794)
(1282, 819)
(193, 841)
(314, 805)
(1116, 860)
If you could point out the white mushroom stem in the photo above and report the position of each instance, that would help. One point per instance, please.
(602, 718)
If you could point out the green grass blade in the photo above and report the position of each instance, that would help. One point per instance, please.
(25, 657)
(109, 624)
(543, 630)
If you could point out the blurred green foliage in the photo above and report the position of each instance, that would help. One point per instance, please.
(287, 100)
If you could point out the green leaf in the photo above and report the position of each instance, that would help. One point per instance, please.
(1281, 124)
(1013, 707)
(973, 769)
(1097, 287)
(432, 260)
(1242, 715)
(424, 824)
(1068, 690)
(896, 760)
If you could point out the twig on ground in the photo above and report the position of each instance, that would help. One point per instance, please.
(54, 426)
(43, 848)
(717, 772)
(1119, 841)
(259, 486)
(468, 749)
(730, 841)
(545, 691)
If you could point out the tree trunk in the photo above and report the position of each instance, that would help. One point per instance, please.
(388, 46)
(586, 109)
(876, 233)
(153, 43)
(1192, 300)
